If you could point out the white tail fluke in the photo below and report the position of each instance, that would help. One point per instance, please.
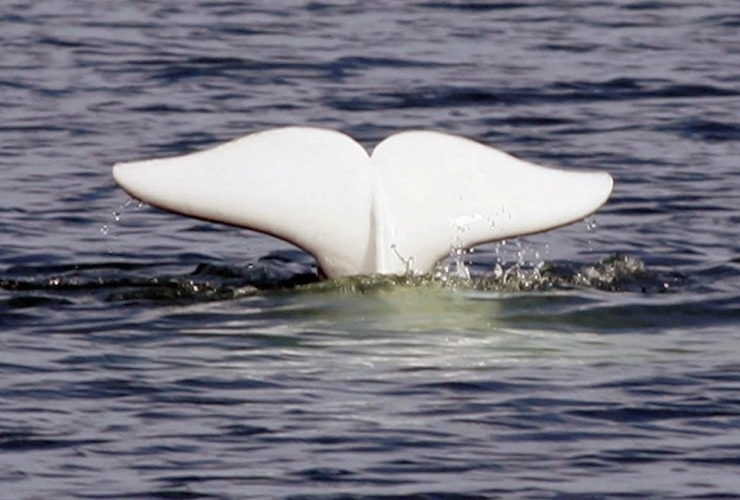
(400, 210)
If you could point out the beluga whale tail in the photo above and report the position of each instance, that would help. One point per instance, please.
(400, 210)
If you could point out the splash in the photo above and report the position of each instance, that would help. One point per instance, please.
(617, 273)
(127, 282)
(407, 262)
(454, 271)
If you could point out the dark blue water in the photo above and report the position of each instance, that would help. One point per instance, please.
(145, 355)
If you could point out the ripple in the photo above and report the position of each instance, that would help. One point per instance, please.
(478, 6)
(705, 130)
(619, 89)
(179, 359)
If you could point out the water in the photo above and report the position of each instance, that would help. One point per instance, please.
(146, 355)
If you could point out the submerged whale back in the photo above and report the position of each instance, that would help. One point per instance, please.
(403, 209)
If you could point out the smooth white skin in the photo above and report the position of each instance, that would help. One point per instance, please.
(400, 210)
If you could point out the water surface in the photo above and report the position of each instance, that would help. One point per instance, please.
(146, 355)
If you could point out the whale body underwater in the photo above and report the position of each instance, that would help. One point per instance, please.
(400, 210)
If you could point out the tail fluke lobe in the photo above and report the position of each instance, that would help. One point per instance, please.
(449, 192)
(309, 186)
(403, 209)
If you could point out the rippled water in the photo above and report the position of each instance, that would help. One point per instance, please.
(146, 355)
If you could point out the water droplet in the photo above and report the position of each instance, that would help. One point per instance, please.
(498, 271)
(406, 262)
(109, 228)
